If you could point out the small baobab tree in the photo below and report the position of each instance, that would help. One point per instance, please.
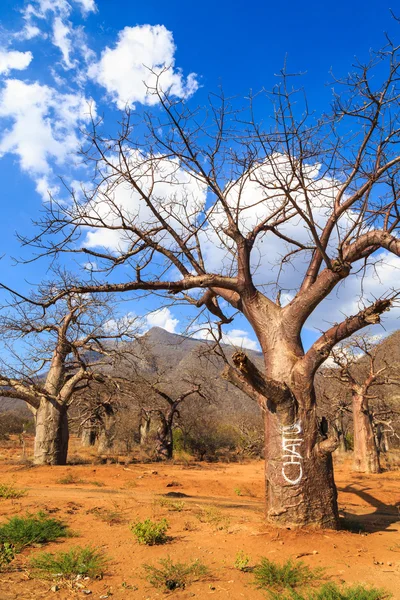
(268, 218)
(49, 357)
(361, 369)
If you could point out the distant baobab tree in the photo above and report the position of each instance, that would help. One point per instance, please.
(47, 358)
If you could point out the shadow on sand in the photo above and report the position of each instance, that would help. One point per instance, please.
(380, 519)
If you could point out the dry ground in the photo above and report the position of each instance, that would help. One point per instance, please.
(370, 555)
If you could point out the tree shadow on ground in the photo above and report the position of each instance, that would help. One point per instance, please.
(380, 519)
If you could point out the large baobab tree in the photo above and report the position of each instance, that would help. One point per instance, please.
(271, 218)
(49, 357)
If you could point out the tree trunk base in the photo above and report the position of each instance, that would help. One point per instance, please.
(52, 435)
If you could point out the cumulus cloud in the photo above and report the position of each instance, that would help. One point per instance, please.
(162, 318)
(177, 195)
(42, 126)
(87, 6)
(124, 69)
(232, 337)
(13, 59)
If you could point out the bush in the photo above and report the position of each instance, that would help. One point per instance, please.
(7, 554)
(13, 422)
(206, 439)
(32, 529)
(8, 492)
(173, 576)
(242, 561)
(269, 574)
(150, 532)
(331, 591)
(85, 561)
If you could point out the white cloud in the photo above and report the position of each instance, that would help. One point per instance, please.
(234, 337)
(124, 69)
(162, 318)
(87, 6)
(177, 195)
(62, 39)
(13, 59)
(44, 125)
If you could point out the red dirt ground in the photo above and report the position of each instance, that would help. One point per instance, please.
(370, 555)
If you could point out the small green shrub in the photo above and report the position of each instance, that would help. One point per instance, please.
(171, 505)
(150, 532)
(242, 561)
(238, 491)
(70, 479)
(172, 576)
(269, 574)
(32, 529)
(331, 591)
(84, 561)
(7, 554)
(8, 491)
(213, 516)
(112, 516)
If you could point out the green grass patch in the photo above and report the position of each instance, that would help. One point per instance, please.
(214, 517)
(85, 561)
(331, 591)
(8, 491)
(271, 576)
(112, 516)
(151, 533)
(171, 505)
(174, 575)
(70, 479)
(7, 554)
(32, 529)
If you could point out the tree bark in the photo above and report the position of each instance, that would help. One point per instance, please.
(88, 437)
(165, 440)
(300, 488)
(342, 447)
(144, 427)
(52, 434)
(107, 432)
(366, 455)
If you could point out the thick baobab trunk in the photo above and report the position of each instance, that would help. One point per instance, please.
(300, 488)
(88, 437)
(144, 427)
(165, 440)
(342, 447)
(107, 432)
(366, 455)
(52, 434)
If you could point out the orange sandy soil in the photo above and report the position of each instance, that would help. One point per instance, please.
(371, 556)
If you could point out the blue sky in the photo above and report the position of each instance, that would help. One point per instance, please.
(58, 46)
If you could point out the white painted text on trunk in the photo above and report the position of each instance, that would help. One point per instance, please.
(292, 469)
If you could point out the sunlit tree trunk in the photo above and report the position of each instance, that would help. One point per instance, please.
(366, 455)
(52, 434)
(300, 488)
(107, 431)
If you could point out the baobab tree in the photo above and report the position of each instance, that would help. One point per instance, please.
(362, 370)
(271, 219)
(49, 357)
